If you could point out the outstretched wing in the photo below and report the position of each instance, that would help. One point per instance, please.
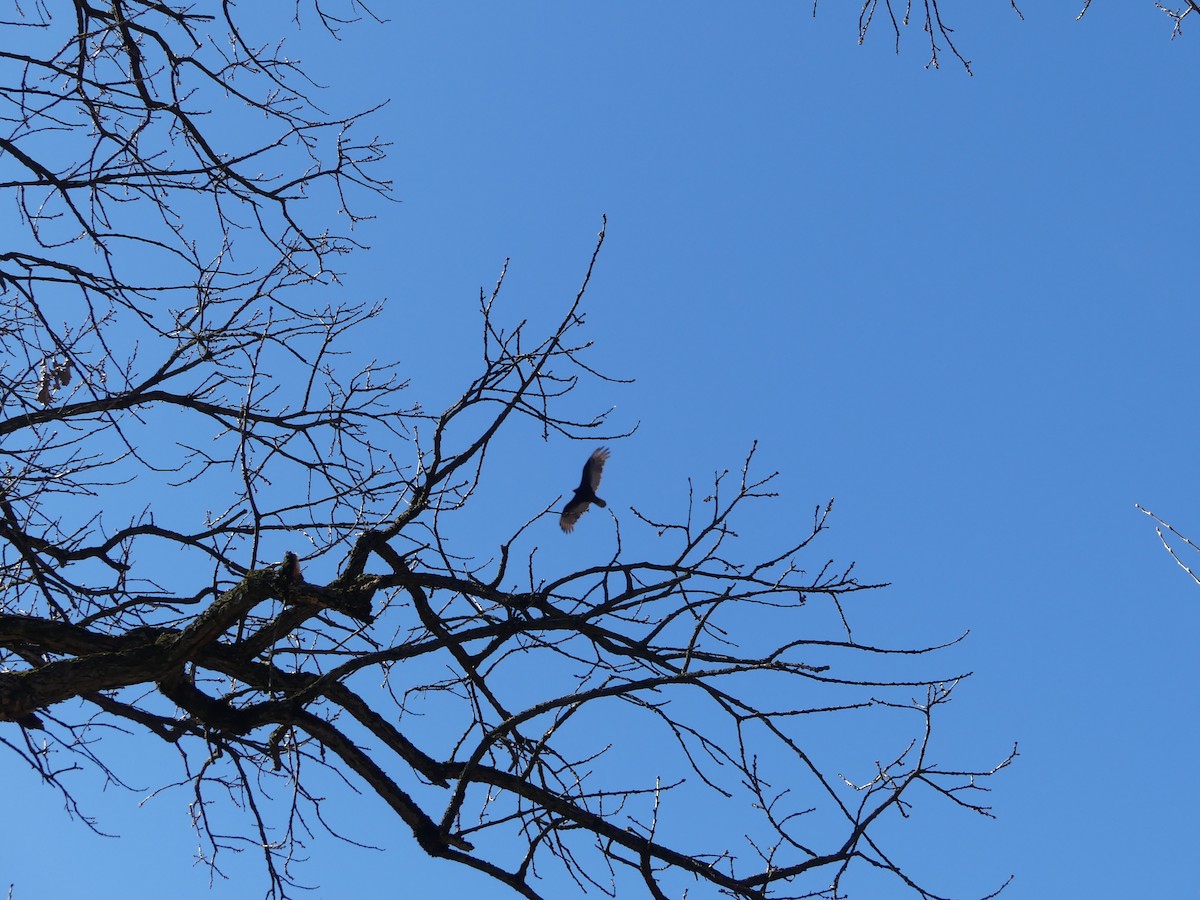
(571, 513)
(594, 468)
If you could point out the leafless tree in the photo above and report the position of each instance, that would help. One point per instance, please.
(218, 534)
(900, 14)
(1177, 544)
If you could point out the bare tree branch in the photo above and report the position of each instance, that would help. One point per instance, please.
(220, 531)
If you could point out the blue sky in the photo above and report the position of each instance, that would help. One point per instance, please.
(963, 306)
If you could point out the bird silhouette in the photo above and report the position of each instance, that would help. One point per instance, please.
(585, 494)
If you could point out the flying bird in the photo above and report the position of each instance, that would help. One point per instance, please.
(585, 494)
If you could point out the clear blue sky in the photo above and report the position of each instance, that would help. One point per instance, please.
(963, 306)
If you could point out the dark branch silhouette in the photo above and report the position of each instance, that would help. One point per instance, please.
(1163, 529)
(934, 21)
(219, 531)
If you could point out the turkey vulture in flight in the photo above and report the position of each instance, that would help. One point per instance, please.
(585, 494)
